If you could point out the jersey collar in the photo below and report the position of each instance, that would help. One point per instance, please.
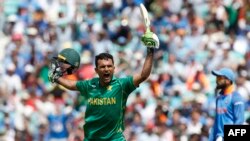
(112, 80)
(229, 90)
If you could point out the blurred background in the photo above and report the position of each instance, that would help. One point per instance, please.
(177, 102)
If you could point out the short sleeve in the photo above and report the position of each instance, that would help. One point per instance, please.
(128, 84)
(82, 86)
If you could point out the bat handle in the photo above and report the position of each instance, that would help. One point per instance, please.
(149, 44)
(148, 29)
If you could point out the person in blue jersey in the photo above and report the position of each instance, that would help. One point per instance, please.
(58, 124)
(229, 103)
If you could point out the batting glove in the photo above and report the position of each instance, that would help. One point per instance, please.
(54, 74)
(150, 39)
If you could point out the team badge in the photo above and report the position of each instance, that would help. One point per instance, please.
(109, 88)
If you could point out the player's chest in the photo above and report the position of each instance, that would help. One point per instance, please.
(224, 105)
(104, 96)
(98, 91)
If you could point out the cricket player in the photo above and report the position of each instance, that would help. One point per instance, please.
(229, 103)
(106, 95)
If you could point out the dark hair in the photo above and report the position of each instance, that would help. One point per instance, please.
(104, 56)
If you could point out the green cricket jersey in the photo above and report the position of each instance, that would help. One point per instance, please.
(105, 107)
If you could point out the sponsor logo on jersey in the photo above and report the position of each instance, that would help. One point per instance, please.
(221, 110)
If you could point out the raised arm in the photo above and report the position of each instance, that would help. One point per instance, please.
(69, 84)
(56, 77)
(146, 70)
(151, 41)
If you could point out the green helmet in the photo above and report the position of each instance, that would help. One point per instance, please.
(70, 56)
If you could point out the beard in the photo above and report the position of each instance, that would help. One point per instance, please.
(220, 86)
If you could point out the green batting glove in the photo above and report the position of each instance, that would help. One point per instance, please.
(150, 39)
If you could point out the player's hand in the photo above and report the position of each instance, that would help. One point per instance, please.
(54, 73)
(53, 77)
(150, 40)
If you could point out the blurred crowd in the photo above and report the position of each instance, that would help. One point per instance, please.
(177, 102)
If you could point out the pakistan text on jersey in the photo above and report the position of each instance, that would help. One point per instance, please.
(102, 101)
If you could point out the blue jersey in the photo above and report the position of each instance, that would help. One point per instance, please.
(58, 127)
(229, 110)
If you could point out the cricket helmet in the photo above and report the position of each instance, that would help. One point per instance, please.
(69, 56)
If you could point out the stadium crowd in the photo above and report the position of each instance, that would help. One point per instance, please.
(177, 102)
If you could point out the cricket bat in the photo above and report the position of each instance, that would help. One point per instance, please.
(144, 14)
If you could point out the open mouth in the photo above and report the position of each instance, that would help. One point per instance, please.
(106, 76)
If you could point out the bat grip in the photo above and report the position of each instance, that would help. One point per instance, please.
(150, 44)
